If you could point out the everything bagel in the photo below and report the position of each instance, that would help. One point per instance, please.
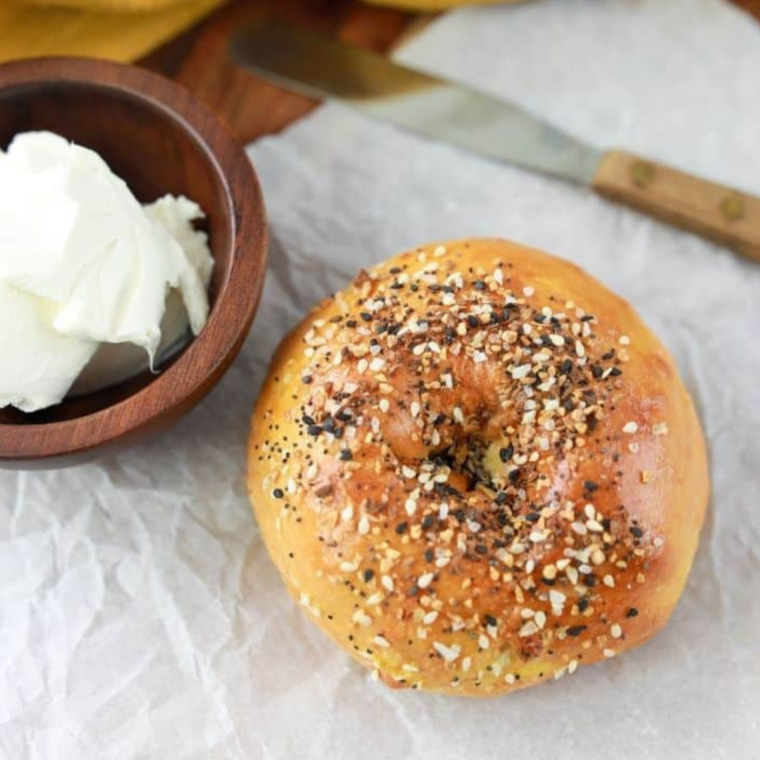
(476, 469)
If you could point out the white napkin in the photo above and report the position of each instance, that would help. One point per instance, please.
(139, 614)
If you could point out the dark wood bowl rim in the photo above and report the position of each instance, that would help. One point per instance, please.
(203, 359)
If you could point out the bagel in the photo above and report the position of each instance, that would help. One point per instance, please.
(476, 469)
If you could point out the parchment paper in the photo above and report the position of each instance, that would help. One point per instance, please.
(139, 614)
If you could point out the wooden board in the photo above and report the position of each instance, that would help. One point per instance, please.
(199, 60)
(252, 108)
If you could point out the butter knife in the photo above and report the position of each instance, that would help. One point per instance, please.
(324, 68)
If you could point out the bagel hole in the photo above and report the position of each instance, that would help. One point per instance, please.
(467, 459)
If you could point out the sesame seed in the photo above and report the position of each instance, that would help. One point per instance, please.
(448, 653)
(579, 528)
(597, 557)
(528, 629)
(362, 618)
(557, 599)
(425, 580)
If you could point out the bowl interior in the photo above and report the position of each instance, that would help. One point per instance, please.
(153, 150)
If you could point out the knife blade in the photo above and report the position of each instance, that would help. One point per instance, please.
(324, 68)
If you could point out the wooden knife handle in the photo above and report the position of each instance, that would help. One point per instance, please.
(716, 212)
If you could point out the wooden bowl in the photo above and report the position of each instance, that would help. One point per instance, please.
(159, 139)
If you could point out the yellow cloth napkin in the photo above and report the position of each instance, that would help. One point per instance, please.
(27, 30)
(111, 5)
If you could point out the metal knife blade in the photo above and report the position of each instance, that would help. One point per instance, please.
(324, 68)
(427, 105)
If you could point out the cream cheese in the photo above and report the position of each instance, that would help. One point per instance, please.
(91, 282)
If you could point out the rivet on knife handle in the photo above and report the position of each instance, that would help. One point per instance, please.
(708, 209)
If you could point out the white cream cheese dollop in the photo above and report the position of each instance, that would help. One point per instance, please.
(91, 282)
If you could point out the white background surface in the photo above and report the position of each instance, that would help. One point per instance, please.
(139, 614)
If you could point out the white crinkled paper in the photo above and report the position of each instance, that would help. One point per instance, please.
(139, 614)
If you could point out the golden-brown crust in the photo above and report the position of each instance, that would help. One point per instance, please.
(477, 469)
